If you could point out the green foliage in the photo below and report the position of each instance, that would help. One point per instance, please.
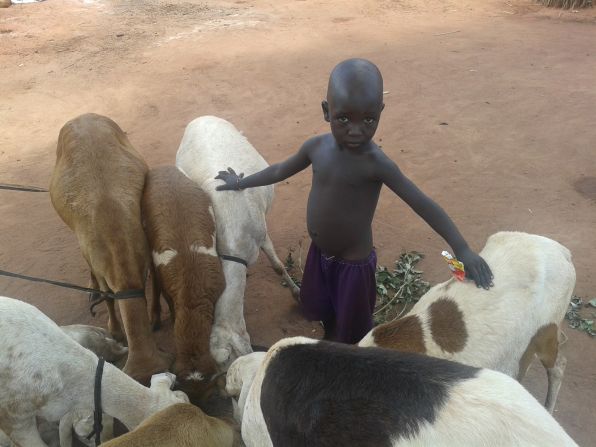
(575, 318)
(398, 290)
(292, 269)
(567, 4)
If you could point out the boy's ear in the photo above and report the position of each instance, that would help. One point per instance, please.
(325, 107)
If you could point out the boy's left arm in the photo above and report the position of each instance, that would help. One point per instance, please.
(476, 268)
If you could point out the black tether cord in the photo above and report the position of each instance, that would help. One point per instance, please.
(97, 411)
(126, 294)
(234, 259)
(22, 188)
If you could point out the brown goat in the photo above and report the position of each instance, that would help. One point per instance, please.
(180, 228)
(180, 425)
(96, 189)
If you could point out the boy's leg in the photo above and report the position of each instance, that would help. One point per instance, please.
(330, 327)
(354, 297)
(315, 300)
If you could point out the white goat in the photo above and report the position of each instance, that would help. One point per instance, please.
(502, 328)
(44, 373)
(242, 370)
(97, 340)
(310, 392)
(209, 145)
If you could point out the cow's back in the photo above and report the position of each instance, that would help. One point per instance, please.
(95, 163)
(96, 188)
(176, 211)
(533, 281)
(212, 144)
(179, 223)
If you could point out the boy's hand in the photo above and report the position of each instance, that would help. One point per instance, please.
(231, 178)
(476, 268)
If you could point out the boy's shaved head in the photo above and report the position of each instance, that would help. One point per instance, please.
(355, 77)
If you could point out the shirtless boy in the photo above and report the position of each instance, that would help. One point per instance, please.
(349, 169)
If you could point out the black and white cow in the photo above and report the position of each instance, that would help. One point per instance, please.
(312, 393)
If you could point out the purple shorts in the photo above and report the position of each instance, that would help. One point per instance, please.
(340, 292)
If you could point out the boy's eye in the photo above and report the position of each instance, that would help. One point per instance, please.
(342, 119)
(369, 121)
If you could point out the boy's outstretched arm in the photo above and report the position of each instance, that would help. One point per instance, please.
(272, 174)
(476, 268)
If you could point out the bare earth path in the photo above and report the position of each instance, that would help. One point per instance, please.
(490, 110)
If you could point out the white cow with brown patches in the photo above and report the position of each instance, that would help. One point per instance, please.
(502, 328)
(180, 227)
(209, 144)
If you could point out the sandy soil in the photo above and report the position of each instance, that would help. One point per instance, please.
(490, 111)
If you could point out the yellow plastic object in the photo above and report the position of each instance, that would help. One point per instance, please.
(456, 267)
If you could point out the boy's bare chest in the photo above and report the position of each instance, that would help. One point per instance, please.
(342, 170)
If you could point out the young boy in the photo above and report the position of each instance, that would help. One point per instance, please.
(338, 286)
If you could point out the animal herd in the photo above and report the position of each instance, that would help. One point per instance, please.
(446, 374)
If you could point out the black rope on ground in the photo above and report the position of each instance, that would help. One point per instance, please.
(22, 188)
(97, 296)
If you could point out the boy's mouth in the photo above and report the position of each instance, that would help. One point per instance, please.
(354, 143)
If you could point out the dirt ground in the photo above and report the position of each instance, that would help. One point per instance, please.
(489, 109)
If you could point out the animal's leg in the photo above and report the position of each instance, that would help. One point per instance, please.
(25, 434)
(113, 324)
(155, 303)
(93, 284)
(65, 429)
(144, 358)
(525, 361)
(547, 350)
(4, 440)
(171, 306)
(330, 328)
(555, 378)
(279, 267)
(229, 338)
(554, 362)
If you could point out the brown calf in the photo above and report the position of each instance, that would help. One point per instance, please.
(96, 188)
(180, 227)
(180, 425)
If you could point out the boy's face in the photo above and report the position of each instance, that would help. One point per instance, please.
(353, 118)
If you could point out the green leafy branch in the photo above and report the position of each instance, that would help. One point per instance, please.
(293, 267)
(399, 289)
(575, 318)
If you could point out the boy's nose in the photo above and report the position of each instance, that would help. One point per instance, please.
(354, 131)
